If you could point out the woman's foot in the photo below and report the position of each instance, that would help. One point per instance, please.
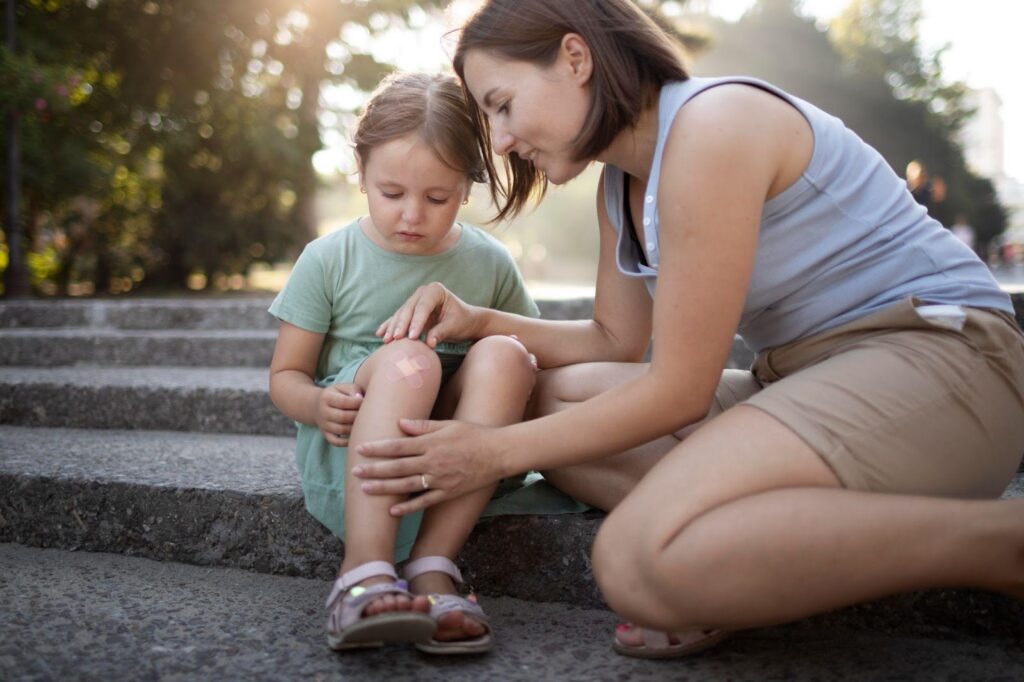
(631, 640)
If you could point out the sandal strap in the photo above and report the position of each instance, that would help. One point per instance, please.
(441, 604)
(431, 564)
(352, 605)
(357, 575)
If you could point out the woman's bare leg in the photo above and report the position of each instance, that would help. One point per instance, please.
(370, 529)
(490, 388)
(605, 482)
(765, 535)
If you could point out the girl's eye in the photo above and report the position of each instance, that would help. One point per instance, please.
(388, 195)
(439, 202)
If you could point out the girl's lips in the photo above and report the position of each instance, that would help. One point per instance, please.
(410, 236)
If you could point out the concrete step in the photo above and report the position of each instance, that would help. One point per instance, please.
(114, 347)
(206, 400)
(147, 620)
(188, 313)
(236, 501)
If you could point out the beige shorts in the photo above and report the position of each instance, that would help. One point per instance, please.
(893, 403)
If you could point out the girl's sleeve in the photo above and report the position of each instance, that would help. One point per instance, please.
(512, 296)
(306, 300)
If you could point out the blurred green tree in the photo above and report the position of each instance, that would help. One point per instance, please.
(162, 138)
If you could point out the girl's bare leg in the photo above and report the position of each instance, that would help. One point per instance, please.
(764, 534)
(370, 529)
(490, 388)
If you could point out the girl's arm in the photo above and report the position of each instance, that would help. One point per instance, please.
(724, 156)
(294, 392)
(619, 331)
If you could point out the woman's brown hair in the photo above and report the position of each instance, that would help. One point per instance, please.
(633, 58)
(431, 105)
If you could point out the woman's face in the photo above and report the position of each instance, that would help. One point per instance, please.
(534, 112)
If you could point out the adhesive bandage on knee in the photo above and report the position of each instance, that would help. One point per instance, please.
(407, 367)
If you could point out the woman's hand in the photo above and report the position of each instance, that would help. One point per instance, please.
(452, 457)
(432, 307)
(336, 409)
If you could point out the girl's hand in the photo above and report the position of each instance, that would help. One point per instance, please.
(432, 307)
(454, 457)
(336, 410)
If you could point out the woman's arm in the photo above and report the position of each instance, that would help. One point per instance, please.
(725, 153)
(621, 326)
(619, 331)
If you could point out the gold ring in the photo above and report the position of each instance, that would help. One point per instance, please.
(423, 481)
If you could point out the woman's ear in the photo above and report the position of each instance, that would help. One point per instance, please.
(577, 57)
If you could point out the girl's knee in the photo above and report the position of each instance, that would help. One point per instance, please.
(405, 358)
(502, 355)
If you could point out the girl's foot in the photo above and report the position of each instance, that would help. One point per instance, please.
(393, 602)
(452, 626)
(461, 625)
(394, 617)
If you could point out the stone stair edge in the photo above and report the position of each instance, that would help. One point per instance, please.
(266, 529)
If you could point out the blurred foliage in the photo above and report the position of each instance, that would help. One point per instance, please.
(161, 138)
(869, 69)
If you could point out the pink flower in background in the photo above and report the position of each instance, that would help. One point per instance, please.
(37, 77)
(62, 90)
(40, 104)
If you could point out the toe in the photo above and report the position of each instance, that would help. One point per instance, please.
(627, 635)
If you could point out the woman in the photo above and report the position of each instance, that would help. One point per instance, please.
(861, 455)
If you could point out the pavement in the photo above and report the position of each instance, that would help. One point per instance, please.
(95, 616)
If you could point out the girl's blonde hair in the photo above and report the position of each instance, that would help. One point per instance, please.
(430, 105)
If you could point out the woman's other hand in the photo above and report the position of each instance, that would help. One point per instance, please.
(336, 410)
(452, 457)
(435, 309)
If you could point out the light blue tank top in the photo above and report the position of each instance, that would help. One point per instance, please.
(846, 239)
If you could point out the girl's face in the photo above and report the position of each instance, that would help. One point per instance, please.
(413, 197)
(535, 112)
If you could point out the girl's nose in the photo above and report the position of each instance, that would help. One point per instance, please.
(412, 213)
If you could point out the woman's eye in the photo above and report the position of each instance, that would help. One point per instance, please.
(504, 108)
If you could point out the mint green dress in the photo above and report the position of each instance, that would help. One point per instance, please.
(343, 285)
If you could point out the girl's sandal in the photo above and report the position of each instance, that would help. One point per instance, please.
(348, 629)
(441, 604)
(658, 645)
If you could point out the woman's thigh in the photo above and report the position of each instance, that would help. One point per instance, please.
(603, 483)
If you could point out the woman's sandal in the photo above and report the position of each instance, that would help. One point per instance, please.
(348, 629)
(658, 645)
(441, 604)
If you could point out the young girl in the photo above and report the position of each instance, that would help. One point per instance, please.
(345, 380)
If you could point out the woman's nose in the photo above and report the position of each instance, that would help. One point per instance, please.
(501, 140)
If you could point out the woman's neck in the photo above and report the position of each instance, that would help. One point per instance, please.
(632, 150)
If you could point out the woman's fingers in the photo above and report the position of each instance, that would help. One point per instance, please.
(415, 504)
(393, 486)
(392, 468)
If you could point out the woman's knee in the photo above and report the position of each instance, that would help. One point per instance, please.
(634, 575)
(502, 356)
